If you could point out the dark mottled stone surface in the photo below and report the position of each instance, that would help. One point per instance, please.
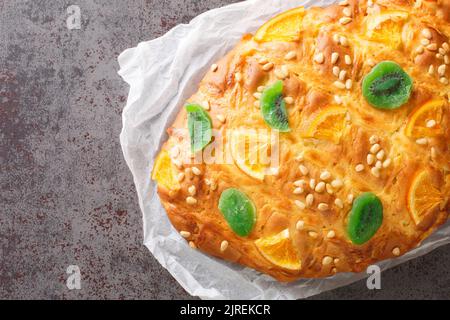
(67, 196)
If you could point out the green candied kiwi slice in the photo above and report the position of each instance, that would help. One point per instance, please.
(365, 218)
(387, 86)
(199, 126)
(273, 107)
(238, 210)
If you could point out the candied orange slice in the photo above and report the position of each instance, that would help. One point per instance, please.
(425, 120)
(327, 125)
(423, 196)
(278, 249)
(251, 152)
(387, 27)
(164, 172)
(283, 27)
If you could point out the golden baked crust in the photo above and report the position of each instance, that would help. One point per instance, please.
(230, 103)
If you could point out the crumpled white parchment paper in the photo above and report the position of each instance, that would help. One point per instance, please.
(162, 74)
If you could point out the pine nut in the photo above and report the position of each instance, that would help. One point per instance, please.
(191, 200)
(299, 225)
(339, 203)
(304, 170)
(223, 245)
(396, 251)
(192, 190)
(268, 66)
(427, 33)
(214, 67)
(337, 183)
(309, 200)
(325, 176)
(327, 260)
(331, 234)
(185, 234)
(422, 141)
(375, 148)
(319, 58)
(334, 57)
(290, 55)
(345, 20)
(320, 187)
(300, 204)
(374, 139)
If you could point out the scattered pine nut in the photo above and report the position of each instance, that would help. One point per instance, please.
(325, 175)
(289, 100)
(334, 57)
(300, 204)
(350, 198)
(300, 225)
(375, 171)
(348, 59)
(304, 170)
(313, 234)
(221, 118)
(298, 190)
(345, 20)
(337, 183)
(223, 245)
(331, 234)
(396, 251)
(191, 200)
(339, 84)
(290, 55)
(374, 139)
(375, 148)
(196, 171)
(268, 66)
(339, 203)
(214, 67)
(309, 200)
(320, 187)
(327, 260)
(427, 33)
(319, 58)
(431, 123)
(370, 159)
(185, 234)
(422, 141)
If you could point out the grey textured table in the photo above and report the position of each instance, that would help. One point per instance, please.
(67, 197)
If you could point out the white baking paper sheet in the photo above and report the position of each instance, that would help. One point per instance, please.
(162, 74)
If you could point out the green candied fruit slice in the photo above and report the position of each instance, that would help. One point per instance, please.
(387, 86)
(199, 126)
(365, 218)
(273, 107)
(238, 210)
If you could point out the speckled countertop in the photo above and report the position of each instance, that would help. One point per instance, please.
(67, 196)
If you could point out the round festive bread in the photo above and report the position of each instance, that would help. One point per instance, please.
(318, 145)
